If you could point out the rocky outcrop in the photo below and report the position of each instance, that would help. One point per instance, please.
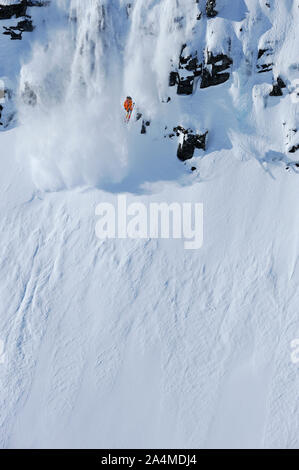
(18, 10)
(292, 139)
(13, 35)
(144, 125)
(190, 142)
(7, 11)
(277, 87)
(210, 8)
(173, 78)
(264, 60)
(213, 74)
(15, 32)
(189, 69)
(294, 149)
(276, 91)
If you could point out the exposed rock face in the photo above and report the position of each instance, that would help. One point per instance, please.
(277, 87)
(13, 35)
(15, 32)
(17, 9)
(173, 78)
(185, 86)
(144, 125)
(280, 82)
(190, 69)
(212, 71)
(210, 8)
(276, 91)
(213, 75)
(7, 11)
(292, 142)
(294, 148)
(190, 142)
(264, 60)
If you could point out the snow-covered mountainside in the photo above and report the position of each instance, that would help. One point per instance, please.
(139, 342)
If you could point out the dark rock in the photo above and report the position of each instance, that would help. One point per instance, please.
(24, 26)
(226, 61)
(264, 60)
(185, 150)
(13, 35)
(276, 91)
(191, 64)
(38, 3)
(212, 76)
(194, 66)
(185, 87)
(138, 116)
(18, 9)
(143, 128)
(280, 82)
(183, 59)
(294, 149)
(210, 8)
(173, 78)
(179, 129)
(190, 142)
(261, 52)
(213, 80)
(265, 68)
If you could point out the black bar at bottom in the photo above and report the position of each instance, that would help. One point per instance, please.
(130, 458)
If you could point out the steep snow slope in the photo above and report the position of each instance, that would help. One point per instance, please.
(141, 343)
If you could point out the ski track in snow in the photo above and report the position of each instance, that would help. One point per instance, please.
(131, 343)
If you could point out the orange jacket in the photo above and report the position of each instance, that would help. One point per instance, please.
(128, 105)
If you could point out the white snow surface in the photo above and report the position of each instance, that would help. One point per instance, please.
(141, 343)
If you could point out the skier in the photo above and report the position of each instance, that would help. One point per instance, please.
(129, 106)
